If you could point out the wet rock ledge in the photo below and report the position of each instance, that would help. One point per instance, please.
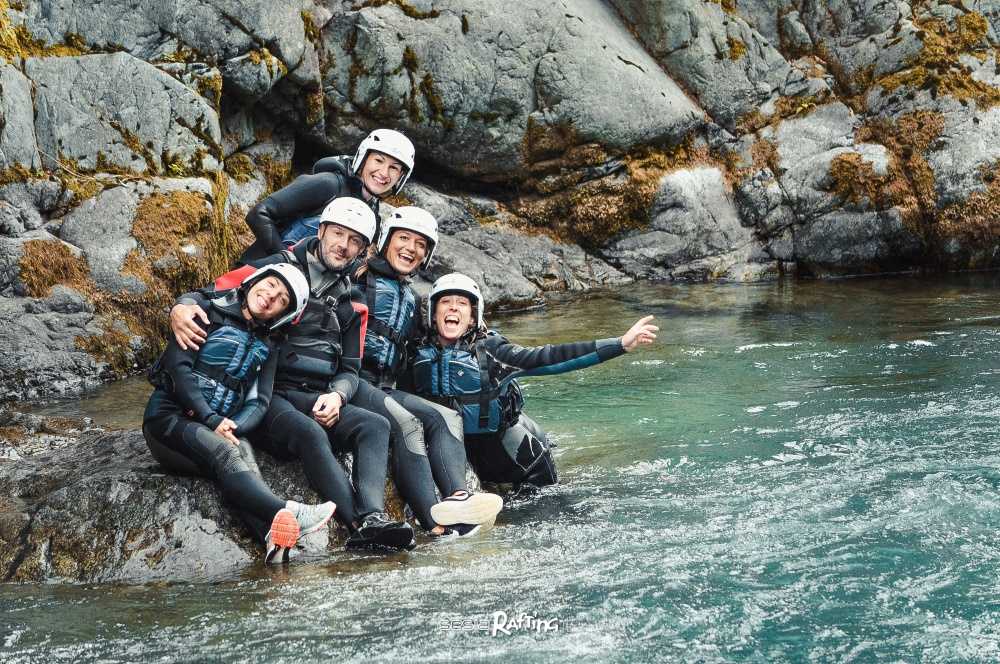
(82, 504)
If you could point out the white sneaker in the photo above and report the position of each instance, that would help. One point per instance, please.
(468, 508)
(311, 517)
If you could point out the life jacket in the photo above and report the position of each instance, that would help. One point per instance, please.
(465, 377)
(229, 359)
(310, 354)
(392, 309)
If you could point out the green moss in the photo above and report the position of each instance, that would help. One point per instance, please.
(434, 101)
(210, 87)
(937, 67)
(46, 263)
(737, 49)
(18, 42)
(112, 346)
(240, 167)
(410, 61)
(309, 25)
(315, 107)
(593, 212)
(275, 67)
(135, 145)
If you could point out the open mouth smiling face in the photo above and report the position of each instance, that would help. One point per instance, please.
(406, 251)
(453, 316)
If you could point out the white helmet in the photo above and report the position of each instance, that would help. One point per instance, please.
(392, 143)
(296, 283)
(413, 219)
(352, 213)
(456, 282)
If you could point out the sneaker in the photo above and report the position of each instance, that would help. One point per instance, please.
(457, 531)
(378, 531)
(282, 536)
(466, 508)
(311, 517)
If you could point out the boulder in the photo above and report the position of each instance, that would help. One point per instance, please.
(40, 357)
(485, 91)
(693, 218)
(729, 67)
(103, 227)
(845, 242)
(117, 111)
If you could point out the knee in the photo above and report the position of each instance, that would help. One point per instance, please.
(307, 436)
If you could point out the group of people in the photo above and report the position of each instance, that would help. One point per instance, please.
(318, 345)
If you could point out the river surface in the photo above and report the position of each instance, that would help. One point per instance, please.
(796, 472)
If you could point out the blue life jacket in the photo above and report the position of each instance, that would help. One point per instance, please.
(300, 229)
(228, 362)
(462, 378)
(392, 311)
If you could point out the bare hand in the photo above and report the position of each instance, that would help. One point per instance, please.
(326, 410)
(226, 429)
(642, 333)
(188, 333)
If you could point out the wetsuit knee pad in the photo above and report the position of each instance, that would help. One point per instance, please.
(410, 428)
(225, 457)
(170, 459)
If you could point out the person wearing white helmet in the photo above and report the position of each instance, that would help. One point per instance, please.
(379, 167)
(207, 401)
(426, 437)
(465, 366)
(310, 417)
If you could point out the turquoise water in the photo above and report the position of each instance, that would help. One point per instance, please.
(797, 472)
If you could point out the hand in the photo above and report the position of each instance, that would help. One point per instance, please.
(188, 333)
(642, 333)
(326, 410)
(226, 429)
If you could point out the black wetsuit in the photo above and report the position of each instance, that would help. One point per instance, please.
(478, 379)
(304, 198)
(230, 376)
(427, 437)
(322, 354)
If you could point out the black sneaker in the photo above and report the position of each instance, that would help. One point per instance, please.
(457, 531)
(378, 531)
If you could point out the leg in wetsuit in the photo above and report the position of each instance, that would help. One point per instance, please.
(427, 446)
(191, 448)
(520, 454)
(289, 431)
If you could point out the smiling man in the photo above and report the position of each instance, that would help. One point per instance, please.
(309, 417)
(380, 167)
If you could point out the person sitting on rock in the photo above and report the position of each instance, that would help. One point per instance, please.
(310, 416)
(427, 437)
(206, 401)
(465, 366)
(381, 166)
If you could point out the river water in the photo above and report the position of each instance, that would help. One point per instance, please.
(796, 472)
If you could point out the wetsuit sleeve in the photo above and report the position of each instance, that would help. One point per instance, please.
(553, 358)
(258, 399)
(180, 365)
(305, 195)
(346, 380)
(199, 297)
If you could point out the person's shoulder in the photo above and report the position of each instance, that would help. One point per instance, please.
(339, 164)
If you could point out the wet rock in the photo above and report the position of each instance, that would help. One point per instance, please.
(17, 130)
(466, 81)
(693, 218)
(40, 358)
(844, 242)
(120, 111)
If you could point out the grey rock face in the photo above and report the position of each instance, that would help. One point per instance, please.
(693, 217)
(17, 135)
(102, 228)
(729, 67)
(126, 110)
(466, 96)
(39, 358)
(844, 241)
